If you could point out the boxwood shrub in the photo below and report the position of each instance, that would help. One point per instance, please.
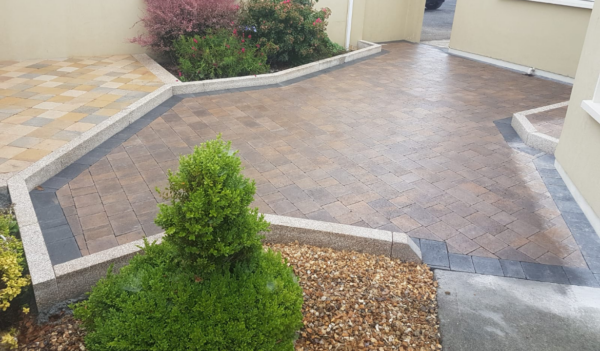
(209, 285)
(208, 217)
(154, 304)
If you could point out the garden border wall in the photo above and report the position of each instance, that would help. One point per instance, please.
(531, 137)
(53, 284)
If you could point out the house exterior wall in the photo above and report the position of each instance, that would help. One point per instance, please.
(578, 150)
(35, 29)
(545, 36)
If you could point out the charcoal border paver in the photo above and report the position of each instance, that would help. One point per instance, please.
(461, 263)
(486, 265)
(545, 273)
(512, 269)
(581, 276)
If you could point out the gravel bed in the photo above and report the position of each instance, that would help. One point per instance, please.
(352, 301)
(356, 301)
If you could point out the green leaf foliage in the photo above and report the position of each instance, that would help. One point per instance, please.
(293, 31)
(208, 217)
(219, 54)
(154, 303)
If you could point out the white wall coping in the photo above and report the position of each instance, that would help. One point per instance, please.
(584, 4)
(512, 66)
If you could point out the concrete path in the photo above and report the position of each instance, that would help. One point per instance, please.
(437, 24)
(486, 313)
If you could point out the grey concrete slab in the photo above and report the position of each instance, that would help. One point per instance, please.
(488, 313)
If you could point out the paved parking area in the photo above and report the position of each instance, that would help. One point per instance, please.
(404, 141)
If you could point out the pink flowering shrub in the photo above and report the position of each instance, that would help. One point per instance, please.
(293, 31)
(166, 20)
(219, 54)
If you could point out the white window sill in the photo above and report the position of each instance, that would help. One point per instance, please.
(592, 108)
(584, 4)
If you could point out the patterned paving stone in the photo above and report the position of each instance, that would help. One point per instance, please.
(407, 141)
(46, 103)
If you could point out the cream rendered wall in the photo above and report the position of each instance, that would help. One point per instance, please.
(31, 29)
(545, 36)
(336, 28)
(389, 20)
(578, 151)
(34, 29)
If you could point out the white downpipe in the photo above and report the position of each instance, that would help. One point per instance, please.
(349, 23)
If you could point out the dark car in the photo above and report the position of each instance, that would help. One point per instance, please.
(433, 4)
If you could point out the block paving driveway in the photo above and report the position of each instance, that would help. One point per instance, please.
(404, 141)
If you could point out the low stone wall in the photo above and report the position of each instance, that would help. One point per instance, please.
(531, 137)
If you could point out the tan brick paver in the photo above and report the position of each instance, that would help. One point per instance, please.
(46, 103)
(404, 141)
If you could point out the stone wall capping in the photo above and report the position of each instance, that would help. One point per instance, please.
(529, 134)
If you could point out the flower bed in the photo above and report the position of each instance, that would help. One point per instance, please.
(208, 39)
(352, 301)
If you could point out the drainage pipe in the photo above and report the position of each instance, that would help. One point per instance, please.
(349, 23)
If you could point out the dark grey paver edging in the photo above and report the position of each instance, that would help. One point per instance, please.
(63, 164)
(75, 277)
(435, 253)
(530, 135)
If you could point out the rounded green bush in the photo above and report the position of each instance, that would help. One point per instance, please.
(155, 303)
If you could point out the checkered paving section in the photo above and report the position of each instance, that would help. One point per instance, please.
(549, 122)
(46, 103)
(404, 141)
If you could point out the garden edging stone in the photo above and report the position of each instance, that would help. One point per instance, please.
(531, 137)
(75, 277)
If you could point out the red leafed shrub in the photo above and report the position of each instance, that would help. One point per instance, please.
(167, 20)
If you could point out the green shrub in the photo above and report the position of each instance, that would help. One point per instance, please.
(155, 304)
(12, 262)
(219, 54)
(292, 30)
(209, 285)
(208, 217)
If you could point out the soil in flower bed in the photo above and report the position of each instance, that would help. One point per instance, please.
(61, 333)
(352, 301)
